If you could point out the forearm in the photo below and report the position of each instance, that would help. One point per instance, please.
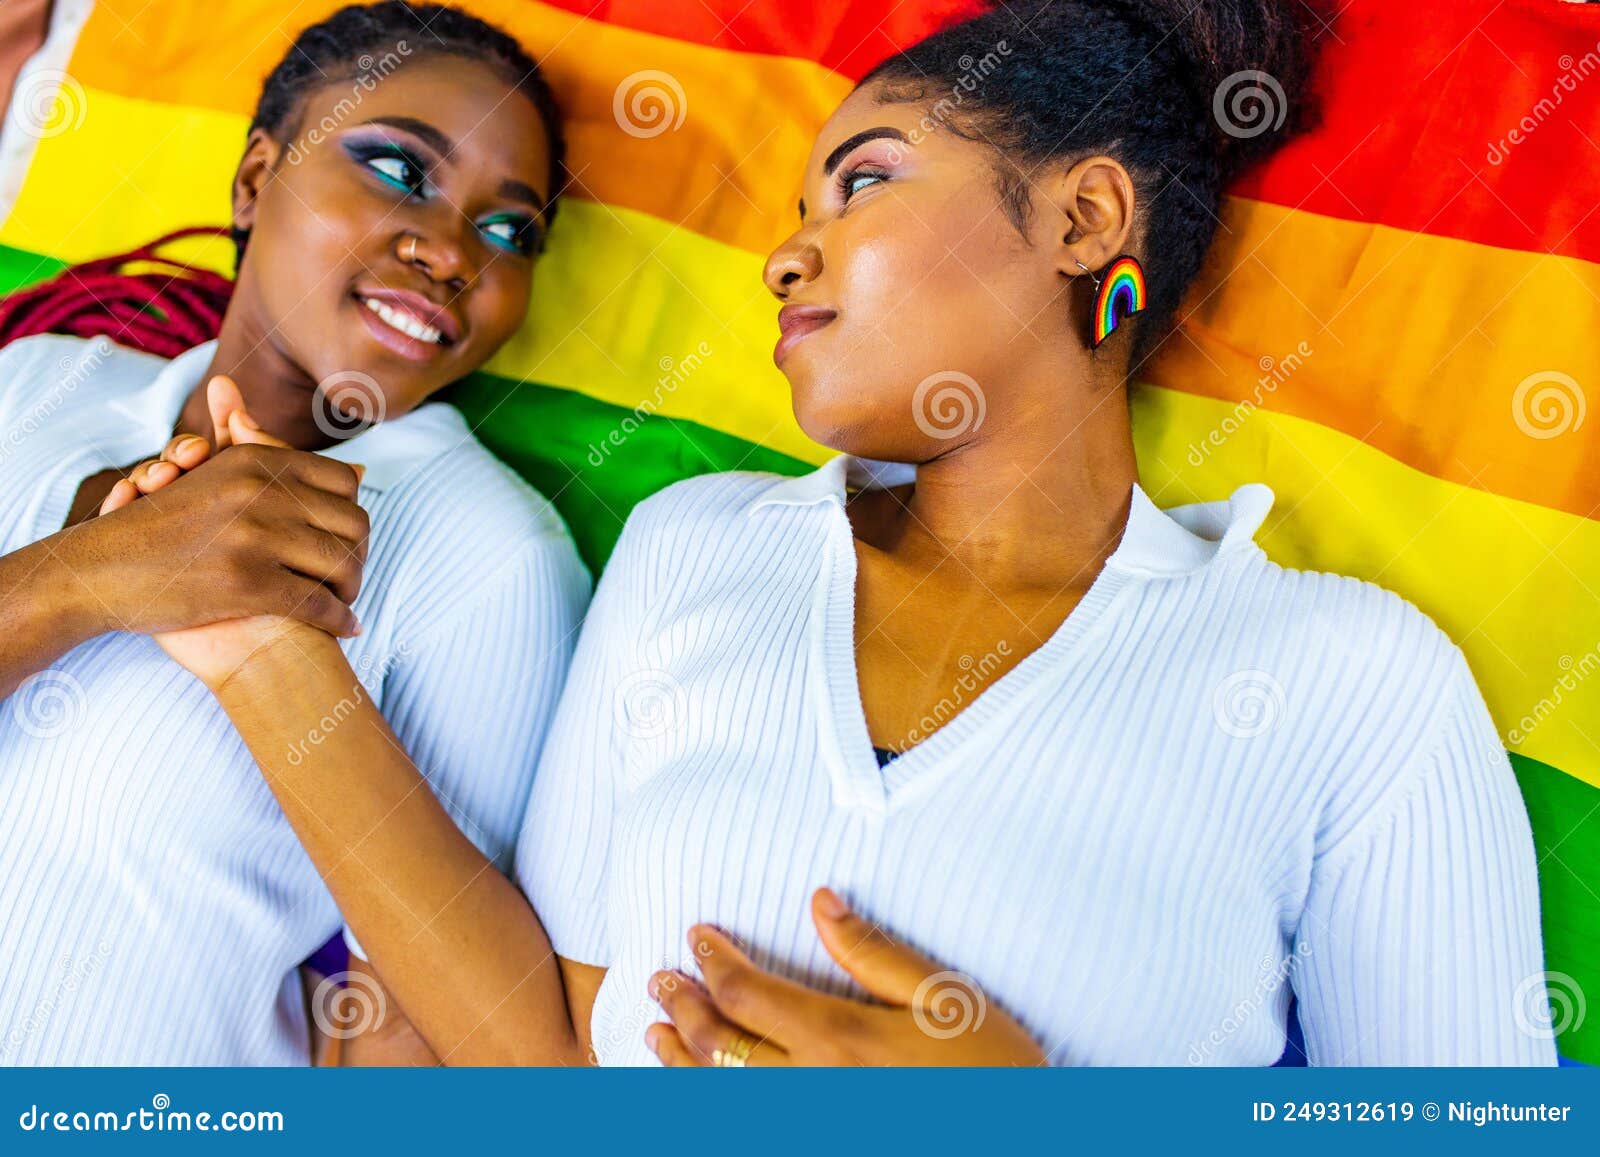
(451, 937)
(47, 607)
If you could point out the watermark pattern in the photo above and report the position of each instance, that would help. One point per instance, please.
(674, 372)
(975, 674)
(1274, 975)
(1548, 404)
(628, 1027)
(948, 404)
(48, 704)
(346, 403)
(1249, 103)
(1247, 704)
(373, 69)
(75, 972)
(947, 1004)
(974, 71)
(1548, 1004)
(1274, 372)
(1572, 73)
(346, 706)
(1573, 673)
(348, 1004)
(650, 703)
(48, 103)
(648, 103)
(73, 372)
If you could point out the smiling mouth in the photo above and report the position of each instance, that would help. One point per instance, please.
(408, 324)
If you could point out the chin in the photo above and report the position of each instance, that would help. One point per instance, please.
(849, 428)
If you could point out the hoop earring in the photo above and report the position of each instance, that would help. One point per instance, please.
(1118, 295)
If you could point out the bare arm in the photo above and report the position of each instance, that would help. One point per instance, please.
(392, 1041)
(48, 605)
(381, 1035)
(273, 527)
(454, 941)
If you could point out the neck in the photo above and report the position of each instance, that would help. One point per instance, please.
(277, 392)
(1038, 499)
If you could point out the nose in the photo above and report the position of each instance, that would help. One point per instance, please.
(794, 264)
(438, 253)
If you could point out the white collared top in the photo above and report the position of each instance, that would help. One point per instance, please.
(1218, 781)
(154, 902)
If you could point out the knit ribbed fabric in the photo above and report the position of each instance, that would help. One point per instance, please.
(154, 902)
(1218, 782)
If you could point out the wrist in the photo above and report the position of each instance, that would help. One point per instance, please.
(79, 594)
(284, 661)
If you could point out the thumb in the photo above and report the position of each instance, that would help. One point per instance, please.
(222, 398)
(243, 430)
(884, 967)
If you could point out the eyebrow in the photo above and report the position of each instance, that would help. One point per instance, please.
(850, 144)
(422, 130)
(861, 138)
(515, 190)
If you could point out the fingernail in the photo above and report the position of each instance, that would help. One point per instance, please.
(356, 630)
(832, 906)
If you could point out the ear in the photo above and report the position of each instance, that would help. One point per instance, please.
(257, 167)
(1093, 218)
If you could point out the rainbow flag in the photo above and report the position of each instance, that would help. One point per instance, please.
(1396, 329)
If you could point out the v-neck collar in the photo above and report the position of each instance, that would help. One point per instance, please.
(1154, 545)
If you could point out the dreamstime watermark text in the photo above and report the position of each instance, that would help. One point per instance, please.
(373, 69)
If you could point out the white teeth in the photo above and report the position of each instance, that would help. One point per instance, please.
(404, 322)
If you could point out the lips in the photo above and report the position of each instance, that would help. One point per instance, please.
(797, 321)
(407, 322)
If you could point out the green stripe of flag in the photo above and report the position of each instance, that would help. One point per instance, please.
(595, 460)
(19, 268)
(1565, 813)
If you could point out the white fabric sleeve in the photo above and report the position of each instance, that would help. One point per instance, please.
(1419, 943)
(565, 846)
(472, 699)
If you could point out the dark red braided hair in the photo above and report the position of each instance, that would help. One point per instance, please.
(163, 310)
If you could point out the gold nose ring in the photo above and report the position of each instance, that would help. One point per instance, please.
(408, 249)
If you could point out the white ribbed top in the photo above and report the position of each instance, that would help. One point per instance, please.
(154, 902)
(1217, 774)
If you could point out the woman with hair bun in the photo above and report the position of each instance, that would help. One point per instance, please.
(958, 749)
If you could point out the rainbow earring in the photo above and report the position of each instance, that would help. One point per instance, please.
(1118, 294)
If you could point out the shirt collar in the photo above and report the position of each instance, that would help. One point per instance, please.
(1155, 542)
(389, 450)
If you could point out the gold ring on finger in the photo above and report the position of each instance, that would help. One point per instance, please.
(735, 1055)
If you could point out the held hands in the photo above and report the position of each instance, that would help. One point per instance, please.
(744, 1015)
(264, 540)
